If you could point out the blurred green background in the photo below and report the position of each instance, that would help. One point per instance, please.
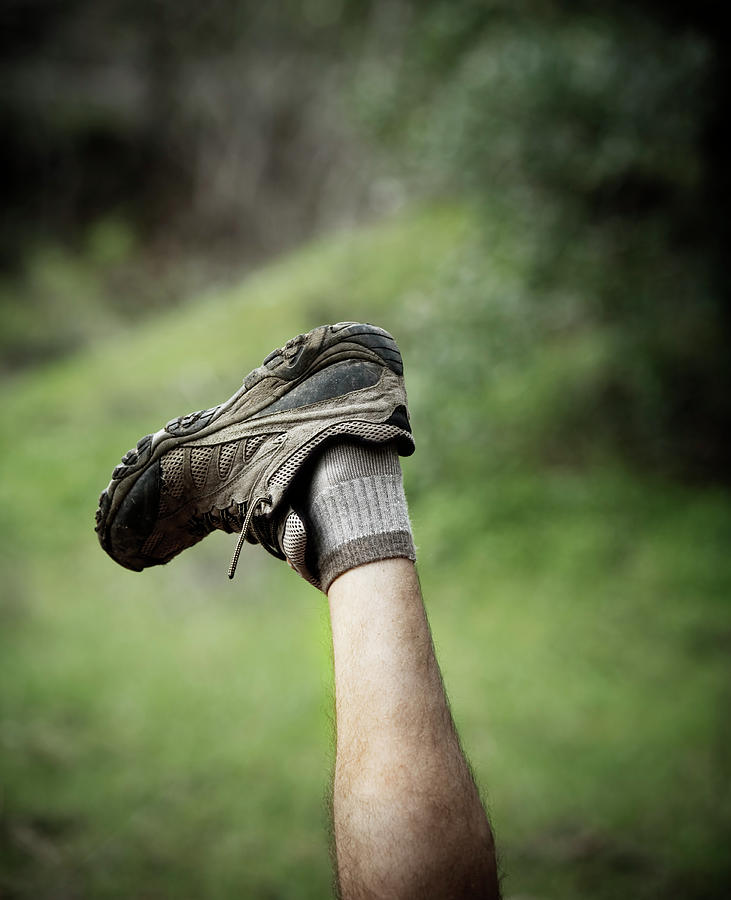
(530, 196)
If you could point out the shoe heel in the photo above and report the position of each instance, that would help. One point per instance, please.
(380, 342)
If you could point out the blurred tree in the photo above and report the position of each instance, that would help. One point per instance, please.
(595, 131)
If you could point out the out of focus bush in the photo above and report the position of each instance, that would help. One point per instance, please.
(585, 140)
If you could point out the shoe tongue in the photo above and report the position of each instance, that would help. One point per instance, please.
(292, 537)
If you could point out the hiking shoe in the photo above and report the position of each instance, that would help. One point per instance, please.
(231, 467)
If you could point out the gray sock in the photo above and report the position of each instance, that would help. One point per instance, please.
(357, 509)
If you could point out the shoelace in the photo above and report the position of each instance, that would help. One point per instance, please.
(248, 523)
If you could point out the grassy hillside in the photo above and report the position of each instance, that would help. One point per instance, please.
(167, 734)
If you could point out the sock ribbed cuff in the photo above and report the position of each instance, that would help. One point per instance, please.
(357, 510)
(391, 545)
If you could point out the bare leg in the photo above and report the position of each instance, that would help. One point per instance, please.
(407, 816)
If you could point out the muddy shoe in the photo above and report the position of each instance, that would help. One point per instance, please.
(232, 467)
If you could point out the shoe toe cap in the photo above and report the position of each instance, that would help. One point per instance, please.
(134, 521)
